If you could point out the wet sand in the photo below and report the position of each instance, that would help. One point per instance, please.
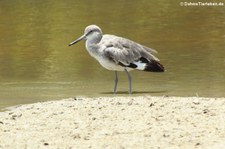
(116, 122)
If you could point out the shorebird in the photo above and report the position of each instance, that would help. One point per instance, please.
(119, 54)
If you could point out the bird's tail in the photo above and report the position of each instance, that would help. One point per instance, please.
(149, 65)
(154, 66)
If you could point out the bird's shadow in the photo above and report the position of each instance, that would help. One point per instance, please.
(135, 92)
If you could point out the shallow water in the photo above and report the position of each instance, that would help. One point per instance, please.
(36, 63)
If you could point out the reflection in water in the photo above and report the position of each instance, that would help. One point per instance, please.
(36, 64)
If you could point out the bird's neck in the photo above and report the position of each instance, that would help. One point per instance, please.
(92, 44)
(94, 39)
(92, 48)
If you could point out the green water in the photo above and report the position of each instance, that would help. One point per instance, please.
(36, 63)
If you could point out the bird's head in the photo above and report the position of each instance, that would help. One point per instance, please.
(92, 33)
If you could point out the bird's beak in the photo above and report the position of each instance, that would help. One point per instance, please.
(77, 40)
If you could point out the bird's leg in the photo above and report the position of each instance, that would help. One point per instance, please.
(115, 83)
(130, 81)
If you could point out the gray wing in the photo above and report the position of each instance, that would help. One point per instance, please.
(125, 51)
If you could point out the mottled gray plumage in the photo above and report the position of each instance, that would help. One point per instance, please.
(119, 54)
(124, 50)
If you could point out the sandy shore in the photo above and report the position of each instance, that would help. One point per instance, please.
(118, 122)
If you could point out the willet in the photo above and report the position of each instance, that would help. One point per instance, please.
(119, 54)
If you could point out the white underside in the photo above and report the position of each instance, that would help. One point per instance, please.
(115, 67)
(110, 65)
